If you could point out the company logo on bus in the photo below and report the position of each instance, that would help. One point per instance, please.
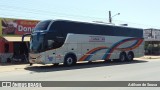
(97, 39)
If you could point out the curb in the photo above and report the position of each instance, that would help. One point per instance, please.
(150, 57)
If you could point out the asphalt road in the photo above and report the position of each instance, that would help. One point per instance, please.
(137, 70)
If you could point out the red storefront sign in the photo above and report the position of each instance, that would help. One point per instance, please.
(17, 26)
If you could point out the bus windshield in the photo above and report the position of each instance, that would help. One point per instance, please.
(42, 25)
(36, 43)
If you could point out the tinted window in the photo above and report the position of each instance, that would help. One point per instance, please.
(66, 27)
(42, 25)
(36, 44)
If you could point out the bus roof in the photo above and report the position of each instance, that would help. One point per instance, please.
(67, 26)
(96, 23)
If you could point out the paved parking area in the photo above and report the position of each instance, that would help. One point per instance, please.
(11, 67)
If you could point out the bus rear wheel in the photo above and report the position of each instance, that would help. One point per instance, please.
(130, 56)
(70, 60)
(122, 57)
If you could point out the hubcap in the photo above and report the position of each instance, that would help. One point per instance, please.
(122, 58)
(69, 61)
(130, 57)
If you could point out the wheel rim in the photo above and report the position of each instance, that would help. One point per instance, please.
(69, 60)
(122, 58)
(130, 57)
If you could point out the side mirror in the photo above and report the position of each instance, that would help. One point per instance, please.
(50, 43)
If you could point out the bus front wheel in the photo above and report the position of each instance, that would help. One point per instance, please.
(70, 60)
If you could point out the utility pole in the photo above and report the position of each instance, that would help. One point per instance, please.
(110, 17)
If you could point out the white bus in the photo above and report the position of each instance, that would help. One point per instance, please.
(68, 42)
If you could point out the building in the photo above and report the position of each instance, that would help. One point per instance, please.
(11, 31)
(152, 41)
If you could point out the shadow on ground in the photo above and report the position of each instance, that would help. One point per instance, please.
(52, 68)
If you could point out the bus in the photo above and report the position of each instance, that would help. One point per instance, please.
(69, 42)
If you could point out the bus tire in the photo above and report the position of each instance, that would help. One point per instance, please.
(130, 56)
(122, 57)
(70, 60)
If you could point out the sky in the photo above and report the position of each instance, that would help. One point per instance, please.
(135, 13)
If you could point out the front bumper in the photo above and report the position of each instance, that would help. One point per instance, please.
(36, 61)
